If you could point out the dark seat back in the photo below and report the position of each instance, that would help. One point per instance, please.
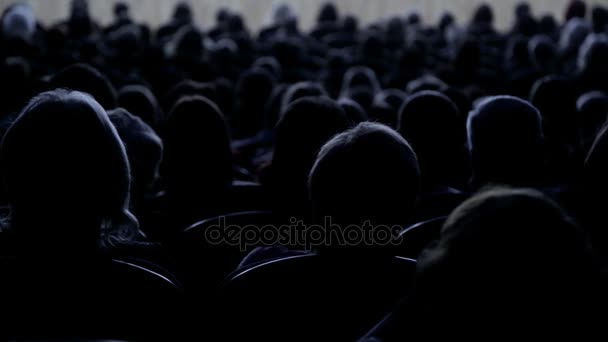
(414, 239)
(312, 297)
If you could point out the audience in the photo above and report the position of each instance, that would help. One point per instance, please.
(121, 142)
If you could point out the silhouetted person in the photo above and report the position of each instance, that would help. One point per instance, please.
(505, 258)
(592, 108)
(576, 9)
(304, 128)
(144, 150)
(595, 186)
(141, 102)
(82, 77)
(253, 91)
(366, 174)
(499, 155)
(197, 168)
(431, 123)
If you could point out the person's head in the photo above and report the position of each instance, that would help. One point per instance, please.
(431, 123)
(505, 140)
(182, 13)
(67, 174)
(576, 9)
(573, 35)
(121, 11)
(543, 52)
(504, 249)
(85, 78)
(599, 19)
(19, 22)
(483, 15)
(187, 88)
(144, 150)
(592, 108)
(197, 155)
(269, 64)
(368, 173)
(328, 14)
(359, 76)
(522, 10)
(301, 90)
(141, 102)
(253, 90)
(354, 112)
(80, 9)
(555, 98)
(304, 127)
(593, 54)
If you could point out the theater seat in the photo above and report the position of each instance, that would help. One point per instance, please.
(208, 258)
(415, 238)
(105, 299)
(312, 297)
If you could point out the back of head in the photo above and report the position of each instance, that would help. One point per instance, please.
(197, 157)
(360, 76)
(253, 92)
(66, 166)
(543, 52)
(576, 9)
(140, 101)
(187, 88)
(328, 13)
(354, 112)
(84, 78)
(505, 250)
(505, 139)
(555, 98)
(301, 90)
(144, 149)
(368, 173)
(19, 22)
(304, 127)
(573, 35)
(592, 108)
(483, 15)
(430, 121)
(599, 19)
(592, 56)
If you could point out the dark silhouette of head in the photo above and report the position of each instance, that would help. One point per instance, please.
(197, 156)
(431, 123)
(306, 125)
(141, 102)
(483, 15)
(85, 78)
(368, 173)
(67, 176)
(504, 250)
(555, 98)
(596, 186)
(253, 91)
(359, 77)
(144, 150)
(599, 19)
(505, 140)
(354, 112)
(301, 90)
(592, 57)
(543, 53)
(576, 9)
(592, 108)
(187, 88)
(328, 13)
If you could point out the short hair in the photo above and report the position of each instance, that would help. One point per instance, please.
(301, 90)
(366, 173)
(140, 101)
(514, 242)
(197, 154)
(432, 124)
(593, 53)
(144, 148)
(63, 156)
(505, 139)
(85, 78)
